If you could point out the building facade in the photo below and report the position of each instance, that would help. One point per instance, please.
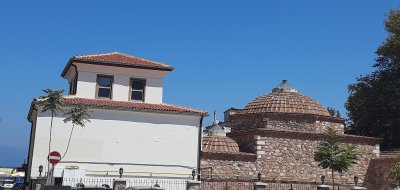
(130, 126)
(277, 135)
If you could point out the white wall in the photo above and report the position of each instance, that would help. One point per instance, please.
(122, 137)
(86, 86)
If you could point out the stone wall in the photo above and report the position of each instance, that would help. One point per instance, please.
(289, 158)
(378, 172)
(310, 124)
(228, 169)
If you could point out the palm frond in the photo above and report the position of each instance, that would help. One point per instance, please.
(77, 116)
(51, 101)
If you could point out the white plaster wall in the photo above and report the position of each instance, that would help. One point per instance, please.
(87, 76)
(122, 137)
(86, 85)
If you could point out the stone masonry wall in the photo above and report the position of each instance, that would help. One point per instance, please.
(283, 123)
(228, 169)
(378, 172)
(287, 158)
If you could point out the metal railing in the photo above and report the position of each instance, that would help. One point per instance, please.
(166, 184)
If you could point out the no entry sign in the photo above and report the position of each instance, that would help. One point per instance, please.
(54, 157)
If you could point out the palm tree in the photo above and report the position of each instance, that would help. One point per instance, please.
(51, 102)
(332, 154)
(78, 116)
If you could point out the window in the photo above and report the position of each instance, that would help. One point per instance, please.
(104, 86)
(72, 85)
(137, 89)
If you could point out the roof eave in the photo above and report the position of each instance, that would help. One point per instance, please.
(31, 108)
(67, 66)
(204, 114)
(114, 64)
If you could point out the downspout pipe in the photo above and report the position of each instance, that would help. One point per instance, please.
(200, 137)
(76, 77)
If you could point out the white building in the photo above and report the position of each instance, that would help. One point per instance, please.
(130, 128)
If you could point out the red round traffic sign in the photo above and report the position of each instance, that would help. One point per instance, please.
(54, 157)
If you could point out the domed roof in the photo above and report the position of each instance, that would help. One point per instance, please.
(217, 141)
(284, 99)
(219, 144)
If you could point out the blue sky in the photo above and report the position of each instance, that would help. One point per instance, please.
(225, 53)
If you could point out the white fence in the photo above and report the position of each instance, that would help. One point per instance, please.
(167, 184)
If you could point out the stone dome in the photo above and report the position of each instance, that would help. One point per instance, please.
(284, 99)
(221, 144)
(217, 141)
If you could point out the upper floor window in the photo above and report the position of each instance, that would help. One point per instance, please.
(72, 85)
(104, 86)
(137, 89)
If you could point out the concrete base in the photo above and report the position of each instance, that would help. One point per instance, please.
(119, 184)
(357, 187)
(324, 187)
(56, 187)
(37, 183)
(260, 185)
(193, 185)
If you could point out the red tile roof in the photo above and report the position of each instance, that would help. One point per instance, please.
(119, 60)
(219, 144)
(134, 106)
(284, 102)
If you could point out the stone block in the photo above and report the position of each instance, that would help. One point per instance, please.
(258, 152)
(357, 187)
(260, 142)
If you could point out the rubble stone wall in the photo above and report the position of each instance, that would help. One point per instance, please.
(288, 158)
(228, 169)
(308, 125)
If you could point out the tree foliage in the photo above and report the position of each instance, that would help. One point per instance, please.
(51, 102)
(77, 116)
(334, 112)
(374, 100)
(333, 154)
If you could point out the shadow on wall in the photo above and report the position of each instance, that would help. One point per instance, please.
(377, 173)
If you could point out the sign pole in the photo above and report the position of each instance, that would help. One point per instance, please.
(53, 158)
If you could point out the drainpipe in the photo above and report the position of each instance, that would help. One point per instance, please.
(199, 147)
(76, 77)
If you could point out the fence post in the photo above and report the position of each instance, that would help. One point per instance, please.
(193, 185)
